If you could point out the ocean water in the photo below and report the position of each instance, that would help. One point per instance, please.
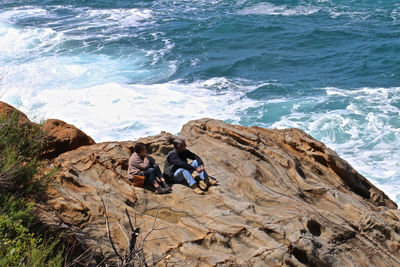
(124, 69)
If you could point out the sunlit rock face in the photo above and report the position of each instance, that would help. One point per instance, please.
(283, 199)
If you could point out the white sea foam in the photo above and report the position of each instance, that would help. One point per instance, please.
(81, 71)
(366, 133)
(29, 59)
(355, 15)
(124, 17)
(308, 9)
(271, 9)
(86, 22)
(11, 15)
(115, 111)
(16, 42)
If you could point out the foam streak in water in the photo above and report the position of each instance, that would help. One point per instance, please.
(113, 111)
(270, 9)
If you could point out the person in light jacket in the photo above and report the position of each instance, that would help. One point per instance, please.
(142, 164)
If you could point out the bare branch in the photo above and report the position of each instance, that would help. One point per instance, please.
(129, 219)
(78, 258)
(152, 228)
(105, 258)
(123, 231)
(133, 256)
(108, 232)
(84, 255)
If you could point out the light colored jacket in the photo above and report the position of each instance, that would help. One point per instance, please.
(137, 164)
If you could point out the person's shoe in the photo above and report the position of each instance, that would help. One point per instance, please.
(210, 181)
(166, 186)
(160, 190)
(202, 184)
(197, 190)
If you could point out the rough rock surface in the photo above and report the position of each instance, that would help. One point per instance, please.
(7, 110)
(64, 137)
(284, 199)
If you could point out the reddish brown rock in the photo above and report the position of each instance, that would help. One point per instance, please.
(7, 110)
(284, 199)
(63, 137)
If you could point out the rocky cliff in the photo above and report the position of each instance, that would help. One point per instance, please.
(284, 199)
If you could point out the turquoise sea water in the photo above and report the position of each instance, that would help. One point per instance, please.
(124, 69)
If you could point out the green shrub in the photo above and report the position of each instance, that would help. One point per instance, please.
(17, 209)
(19, 246)
(22, 235)
(24, 240)
(20, 145)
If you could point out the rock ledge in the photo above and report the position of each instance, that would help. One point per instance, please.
(284, 199)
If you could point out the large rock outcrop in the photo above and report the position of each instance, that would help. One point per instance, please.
(284, 199)
(8, 110)
(63, 137)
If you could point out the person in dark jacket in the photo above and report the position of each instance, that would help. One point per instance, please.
(142, 164)
(177, 167)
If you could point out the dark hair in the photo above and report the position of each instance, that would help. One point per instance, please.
(139, 147)
(178, 141)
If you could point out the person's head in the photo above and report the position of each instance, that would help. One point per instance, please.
(140, 149)
(179, 144)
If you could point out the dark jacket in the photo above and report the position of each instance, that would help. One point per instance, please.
(177, 160)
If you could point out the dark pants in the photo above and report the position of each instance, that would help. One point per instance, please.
(152, 173)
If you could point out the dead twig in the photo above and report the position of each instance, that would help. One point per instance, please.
(152, 228)
(109, 234)
(129, 219)
(134, 254)
(123, 231)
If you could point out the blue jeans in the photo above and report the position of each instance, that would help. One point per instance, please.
(152, 173)
(183, 174)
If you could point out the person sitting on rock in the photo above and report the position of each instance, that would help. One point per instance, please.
(142, 164)
(177, 168)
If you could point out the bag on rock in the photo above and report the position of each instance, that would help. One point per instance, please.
(138, 181)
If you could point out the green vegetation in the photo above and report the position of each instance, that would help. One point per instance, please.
(20, 236)
(24, 241)
(19, 146)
